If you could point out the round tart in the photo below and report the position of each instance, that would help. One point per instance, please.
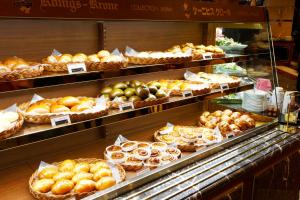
(113, 148)
(153, 162)
(141, 153)
(167, 158)
(129, 146)
(144, 145)
(155, 153)
(173, 151)
(117, 157)
(132, 164)
(159, 145)
(189, 137)
(169, 139)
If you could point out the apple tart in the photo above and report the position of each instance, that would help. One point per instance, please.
(78, 108)
(134, 156)
(74, 178)
(188, 138)
(10, 123)
(17, 68)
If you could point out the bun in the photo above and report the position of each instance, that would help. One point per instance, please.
(84, 186)
(82, 167)
(93, 58)
(20, 66)
(52, 59)
(81, 107)
(62, 187)
(47, 102)
(67, 165)
(79, 57)
(48, 172)
(43, 185)
(103, 53)
(4, 68)
(59, 108)
(105, 182)
(38, 108)
(102, 173)
(68, 101)
(81, 176)
(63, 176)
(65, 58)
(97, 166)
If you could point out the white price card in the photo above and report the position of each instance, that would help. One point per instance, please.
(126, 106)
(224, 86)
(187, 93)
(76, 68)
(142, 171)
(60, 120)
(207, 56)
(230, 135)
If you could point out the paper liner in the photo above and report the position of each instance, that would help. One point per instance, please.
(150, 61)
(32, 71)
(14, 129)
(46, 118)
(140, 104)
(50, 196)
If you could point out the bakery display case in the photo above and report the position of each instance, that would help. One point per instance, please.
(113, 96)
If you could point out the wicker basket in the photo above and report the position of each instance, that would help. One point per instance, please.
(105, 66)
(150, 61)
(46, 118)
(50, 196)
(13, 130)
(218, 55)
(33, 71)
(140, 104)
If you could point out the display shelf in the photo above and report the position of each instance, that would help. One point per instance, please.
(33, 133)
(53, 79)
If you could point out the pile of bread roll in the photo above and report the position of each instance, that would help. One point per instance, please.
(14, 63)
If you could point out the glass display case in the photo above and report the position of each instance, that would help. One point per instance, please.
(125, 93)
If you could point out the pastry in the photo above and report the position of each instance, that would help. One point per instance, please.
(155, 153)
(79, 57)
(141, 153)
(153, 162)
(165, 159)
(82, 176)
(43, 185)
(84, 186)
(97, 166)
(81, 167)
(65, 58)
(68, 101)
(55, 108)
(62, 187)
(173, 151)
(105, 182)
(48, 172)
(113, 148)
(102, 173)
(93, 58)
(39, 109)
(63, 176)
(103, 53)
(117, 157)
(159, 145)
(143, 145)
(81, 107)
(67, 165)
(129, 146)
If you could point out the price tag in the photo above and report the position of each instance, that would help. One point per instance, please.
(126, 106)
(230, 135)
(76, 68)
(187, 93)
(224, 86)
(142, 171)
(207, 56)
(60, 120)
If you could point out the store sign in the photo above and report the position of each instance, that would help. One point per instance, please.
(60, 120)
(132, 9)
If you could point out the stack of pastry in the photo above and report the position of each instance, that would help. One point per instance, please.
(198, 50)
(74, 178)
(101, 61)
(177, 87)
(78, 108)
(157, 57)
(17, 68)
(10, 123)
(133, 155)
(227, 121)
(187, 138)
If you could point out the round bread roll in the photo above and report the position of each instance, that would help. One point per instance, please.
(59, 108)
(20, 66)
(65, 58)
(4, 68)
(43, 185)
(227, 112)
(234, 127)
(68, 101)
(93, 58)
(48, 172)
(210, 125)
(206, 114)
(82, 175)
(38, 108)
(52, 59)
(105, 182)
(111, 58)
(82, 167)
(63, 176)
(62, 187)
(81, 107)
(67, 165)
(10, 116)
(242, 124)
(97, 166)
(102, 173)
(84, 186)
(224, 127)
(103, 53)
(226, 118)
(203, 120)
(90, 102)
(79, 57)
(47, 102)
(235, 115)
(217, 113)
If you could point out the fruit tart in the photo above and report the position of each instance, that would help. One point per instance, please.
(215, 80)
(135, 155)
(74, 178)
(135, 93)
(10, 123)
(17, 68)
(78, 108)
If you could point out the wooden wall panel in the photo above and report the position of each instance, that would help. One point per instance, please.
(150, 35)
(34, 39)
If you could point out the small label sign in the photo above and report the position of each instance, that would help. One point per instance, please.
(187, 93)
(76, 68)
(60, 120)
(142, 171)
(224, 86)
(230, 135)
(207, 56)
(126, 106)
